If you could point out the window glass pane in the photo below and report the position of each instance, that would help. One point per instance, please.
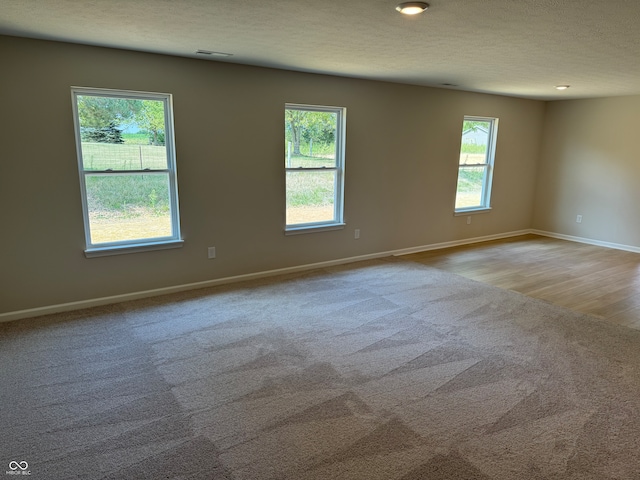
(310, 139)
(122, 133)
(475, 163)
(470, 185)
(128, 207)
(126, 158)
(475, 142)
(311, 197)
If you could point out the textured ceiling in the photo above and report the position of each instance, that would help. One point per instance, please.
(512, 47)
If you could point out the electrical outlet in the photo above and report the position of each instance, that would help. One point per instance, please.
(469, 220)
(579, 219)
(211, 252)
(356, 233)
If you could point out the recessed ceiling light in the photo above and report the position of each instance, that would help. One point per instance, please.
(562, 87)
(213, 54)
(412, 8)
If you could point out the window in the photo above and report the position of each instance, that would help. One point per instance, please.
(475, 167)
(314, 166)
(126, 159)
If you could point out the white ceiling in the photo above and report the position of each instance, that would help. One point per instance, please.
(512, 47)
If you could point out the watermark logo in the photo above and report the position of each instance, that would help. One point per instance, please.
(18, 468)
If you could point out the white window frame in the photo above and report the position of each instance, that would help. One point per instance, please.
(130, 246)
(487, 183)
(338, 202)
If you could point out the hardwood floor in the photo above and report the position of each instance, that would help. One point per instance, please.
(599, 281)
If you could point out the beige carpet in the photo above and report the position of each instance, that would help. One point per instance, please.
(384, 370)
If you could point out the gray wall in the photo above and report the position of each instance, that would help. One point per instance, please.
(590, 166)
(401, 167)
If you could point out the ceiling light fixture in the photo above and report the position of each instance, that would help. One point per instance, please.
(412, 8)
(562, 87)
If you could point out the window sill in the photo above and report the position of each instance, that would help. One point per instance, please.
(133, 248)
(471, 211)
(313, 228)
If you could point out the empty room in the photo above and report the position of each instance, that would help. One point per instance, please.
(361, 240)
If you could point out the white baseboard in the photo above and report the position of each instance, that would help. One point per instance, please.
(65, 307)
(458, 243)
(95, 302)
(588, 241)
